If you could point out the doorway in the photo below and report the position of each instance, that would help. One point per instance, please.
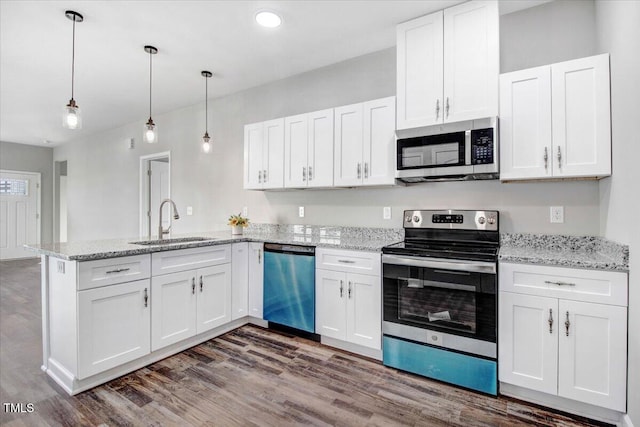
(155, 186)
(19, 213)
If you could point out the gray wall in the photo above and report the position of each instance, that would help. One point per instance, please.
(619, 34)
(29, 158)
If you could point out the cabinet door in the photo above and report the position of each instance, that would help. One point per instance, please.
(253, 156)
(364, 307)
(239, 280)
(256, 279)
(113, 326)
(273, 154)
(173, 318)
(331, 309)
(593, 354)
(348, 145)
(471, 61)
(295, 151)
(419, 72)
(320, 163)
(525, 124)
(581, 117)
(379, 142)
(528, 347)
(214, 297)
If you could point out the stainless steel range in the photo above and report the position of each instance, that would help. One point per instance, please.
(440, 297)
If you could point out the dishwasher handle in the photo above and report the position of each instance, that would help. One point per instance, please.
(290, 249)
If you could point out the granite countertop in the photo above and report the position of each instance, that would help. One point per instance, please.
(564, 251)
(354, 238)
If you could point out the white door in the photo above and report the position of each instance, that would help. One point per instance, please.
(592, 365)
(525, 124)
(331, 308)
(113, 326)
(256, 278)
(471, 61)
(419, 68)
(159, 190)
(320, 162)
(173, 317)
(239, 280)
(528, 349)
(253, 156)
(273, 154)
(295, 151)
(214, 297)
(581, 117)
(348, 145)
(379, 142)
(364, 308)
(19, 213)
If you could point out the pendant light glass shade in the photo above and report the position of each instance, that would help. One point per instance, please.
(71, 117)
(150, 131)
(206, 140)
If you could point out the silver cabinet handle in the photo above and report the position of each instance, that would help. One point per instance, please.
(118, 270)
(341, 288)
(304, 173)
(264, 176)
(559, 158)
(259, 177)
(567, 323)
(346, 261)
(146, 297)
(259, 256)
(193, 285)
(546, 159)
(548, 282)
(437, 108)
(366, 170)
(446, 108)
(358, 171)
(200, 283)
(550, 321)
(310, 175)
(349, 289)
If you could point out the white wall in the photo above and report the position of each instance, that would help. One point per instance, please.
(619, 34)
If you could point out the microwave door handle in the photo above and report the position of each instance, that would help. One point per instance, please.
(467, 147)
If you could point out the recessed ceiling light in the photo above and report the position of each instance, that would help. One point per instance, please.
(268, 19)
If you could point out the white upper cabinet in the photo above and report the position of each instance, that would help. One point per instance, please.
(308, 150)
(263, 155)
(365, 143)
(555, 121)
(448, 66)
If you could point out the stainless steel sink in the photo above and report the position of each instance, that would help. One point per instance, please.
(172, 241)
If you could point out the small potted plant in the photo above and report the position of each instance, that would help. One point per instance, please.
(237, 223)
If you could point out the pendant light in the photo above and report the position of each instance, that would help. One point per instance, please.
(150, 129)
(206, 144)
(71, 118)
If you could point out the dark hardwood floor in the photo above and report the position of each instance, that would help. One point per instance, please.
(250, 376)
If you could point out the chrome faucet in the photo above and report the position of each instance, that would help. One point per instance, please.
(161, 230)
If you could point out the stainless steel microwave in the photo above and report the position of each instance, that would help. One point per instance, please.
(457, 151)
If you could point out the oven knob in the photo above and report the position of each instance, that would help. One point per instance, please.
(416, 218)
(408, 218)
(481, 220)
(491, 220)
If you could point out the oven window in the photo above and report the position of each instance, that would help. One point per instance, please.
(445, 305)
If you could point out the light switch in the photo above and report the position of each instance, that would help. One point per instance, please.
(386, 212)
(245, 211)
(189, 210)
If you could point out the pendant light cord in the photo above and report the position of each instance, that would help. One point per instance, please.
(206, 104)
(73, 56)
(150, 80)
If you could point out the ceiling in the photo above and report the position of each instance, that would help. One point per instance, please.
(112, 69)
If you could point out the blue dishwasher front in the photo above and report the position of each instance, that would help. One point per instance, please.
(289, 286)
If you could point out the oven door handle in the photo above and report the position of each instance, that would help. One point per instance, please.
(441, 264)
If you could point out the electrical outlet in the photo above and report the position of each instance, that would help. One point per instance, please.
(245, 211)
(301, 211)
(556, 214)
(386, 212)
(129, 142)
(189, 210)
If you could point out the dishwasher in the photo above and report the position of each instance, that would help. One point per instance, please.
(289, 286)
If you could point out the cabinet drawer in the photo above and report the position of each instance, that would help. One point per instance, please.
(603, 287)
(348, 261)
(188, 259)
(103, 272)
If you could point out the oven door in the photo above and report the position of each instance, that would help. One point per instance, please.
(434, 155)
(456, 299)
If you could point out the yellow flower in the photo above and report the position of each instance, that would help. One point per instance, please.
(238, 220)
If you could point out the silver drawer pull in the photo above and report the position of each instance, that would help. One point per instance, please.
(550, 321)
(118, 270)
(567, 323)
(346, 261)
(146, 298)
(548, 282)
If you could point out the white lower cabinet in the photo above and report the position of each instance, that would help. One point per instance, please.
(240, 280)
(113, 326)
(348, 305)
(256, 279)
(563, 343)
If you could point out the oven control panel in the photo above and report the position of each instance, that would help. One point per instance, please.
(452, 219)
